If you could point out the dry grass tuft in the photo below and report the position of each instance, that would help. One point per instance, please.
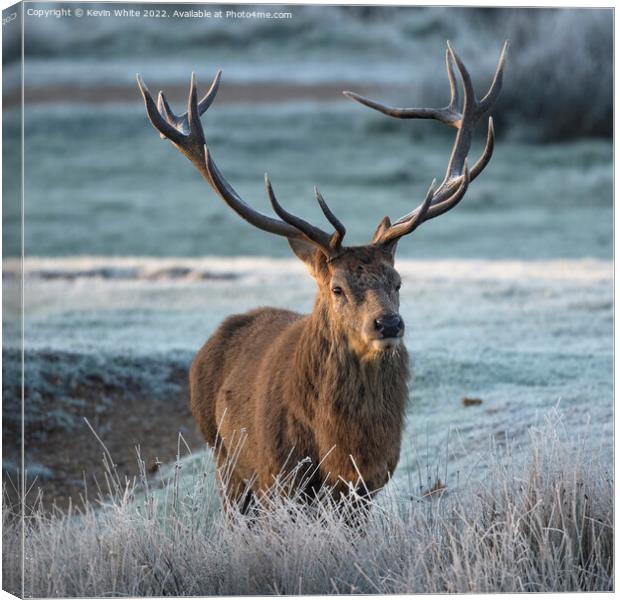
(542, 526)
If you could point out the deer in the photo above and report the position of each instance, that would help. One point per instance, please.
(330, 388)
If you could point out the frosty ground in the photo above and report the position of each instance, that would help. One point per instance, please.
(105, 337)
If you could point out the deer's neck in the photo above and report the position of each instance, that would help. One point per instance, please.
(332, 376)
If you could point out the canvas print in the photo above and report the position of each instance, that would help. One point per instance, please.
(306, 299)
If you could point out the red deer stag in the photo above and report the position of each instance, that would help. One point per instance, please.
(329, 387)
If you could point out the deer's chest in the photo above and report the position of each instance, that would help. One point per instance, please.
(366, 426)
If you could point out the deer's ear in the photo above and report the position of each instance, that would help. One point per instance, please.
(303, 250)
(381, 229)
(313, 258)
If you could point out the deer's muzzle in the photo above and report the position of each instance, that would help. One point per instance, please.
(389, 326)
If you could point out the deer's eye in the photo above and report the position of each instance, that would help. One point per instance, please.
(337, 290)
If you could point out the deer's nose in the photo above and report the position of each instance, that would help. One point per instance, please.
(389, 325)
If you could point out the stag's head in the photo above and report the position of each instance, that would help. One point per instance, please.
(358, 286)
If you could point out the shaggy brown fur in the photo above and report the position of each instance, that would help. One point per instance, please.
(318, 386)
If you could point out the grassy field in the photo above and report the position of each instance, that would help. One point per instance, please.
(544, 525)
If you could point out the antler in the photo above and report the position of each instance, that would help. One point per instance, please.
(457, 178)
(186, 133)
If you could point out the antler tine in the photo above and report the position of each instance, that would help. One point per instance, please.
(154, 115)
(450, 115)
(166, 111)
(454, 90)
(312, 233)
(416, 218)
(445, 115)
(208, 98)
(431, 207)
(193, 115)
(485, 157)
(338, 236)
(469, 100)
(469, 118)
(491, 96)
(438, 208)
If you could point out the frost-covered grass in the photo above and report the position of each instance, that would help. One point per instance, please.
(544, 525)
